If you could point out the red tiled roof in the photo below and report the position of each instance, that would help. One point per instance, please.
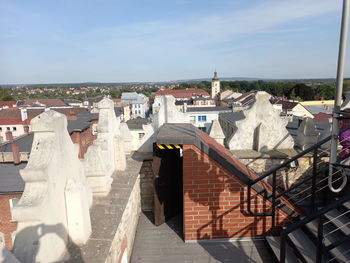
(9, 104)
(117, 100)
(46, 102)
(13, 116)
(184, 93)
(322, 117)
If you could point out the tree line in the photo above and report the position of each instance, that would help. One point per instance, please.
(290, 89)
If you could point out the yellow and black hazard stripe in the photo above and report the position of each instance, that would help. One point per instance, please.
(168, 146)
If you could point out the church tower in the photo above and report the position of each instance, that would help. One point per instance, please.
(215, 85)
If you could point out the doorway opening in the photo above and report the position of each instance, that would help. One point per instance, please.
(168, 187)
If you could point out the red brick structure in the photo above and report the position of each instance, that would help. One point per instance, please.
(84, 138)
(215, 201)
(215, 190)
(7, 226)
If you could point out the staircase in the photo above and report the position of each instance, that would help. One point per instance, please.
(322, 232)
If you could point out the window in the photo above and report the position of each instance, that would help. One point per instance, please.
(2, 240)
(202, 118)
(0, 129)
(14, 128)
(13, 202)
(8, 128)
(193, 119)
(141, 134)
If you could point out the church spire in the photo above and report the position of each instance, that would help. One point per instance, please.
(215, 75)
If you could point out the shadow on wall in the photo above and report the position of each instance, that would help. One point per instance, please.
(223, 201)
(27, 253)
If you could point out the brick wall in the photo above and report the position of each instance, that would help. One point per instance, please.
(84, 139)
(215, 201)
(7, 225)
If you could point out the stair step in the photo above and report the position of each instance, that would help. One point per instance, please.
(304, 245)
(275, 243)
(347, 204)
(338, 252)
(339, 221)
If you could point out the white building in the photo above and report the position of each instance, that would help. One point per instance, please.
(139, 103)
(202, 117)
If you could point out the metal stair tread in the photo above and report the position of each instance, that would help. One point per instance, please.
(347, 204)
(275, 243)
(304, 245)
(337, 252)
(339, 221)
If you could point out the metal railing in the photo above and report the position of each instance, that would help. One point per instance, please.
(321, 249)
(274, 194)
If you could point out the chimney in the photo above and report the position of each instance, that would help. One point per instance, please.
(15, 152)
(185, 107)
(9, 136)
(72, 116)
(26, 129)
(24, 114)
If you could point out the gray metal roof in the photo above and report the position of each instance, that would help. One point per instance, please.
(199, 109)
(232, 117)
(133, 97)
(136, 124)
(10, 179)
(24, 143)
(314, 109)
(77, 125)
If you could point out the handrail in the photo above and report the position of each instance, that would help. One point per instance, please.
(274, 194)
(285, 163)
(316, 215)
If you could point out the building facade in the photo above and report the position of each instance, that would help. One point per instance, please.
(139, 103)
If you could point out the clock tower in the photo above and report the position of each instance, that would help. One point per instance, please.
(215, 85)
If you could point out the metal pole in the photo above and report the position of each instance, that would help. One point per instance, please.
(339, 86)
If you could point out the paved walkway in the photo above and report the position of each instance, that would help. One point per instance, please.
(162, 244)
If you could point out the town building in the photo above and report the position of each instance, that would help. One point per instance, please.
(215, 86)
(17, 120)
(7, 104)
(202, 117)
(184, 94)
(139, 103)
(292, 108)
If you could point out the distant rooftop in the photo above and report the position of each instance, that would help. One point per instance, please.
(133, 97)
(183, 93)
(203, 109)
(10, 179)
(232, 117)
(136, 124)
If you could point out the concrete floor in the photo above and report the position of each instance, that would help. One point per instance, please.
(164, 244)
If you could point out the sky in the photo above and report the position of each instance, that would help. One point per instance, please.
(65, 41)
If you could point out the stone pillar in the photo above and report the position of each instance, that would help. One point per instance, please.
(260, 127)
(307, 135)
(216, 132)
(106, 155)
(127, 137)
(43, 214)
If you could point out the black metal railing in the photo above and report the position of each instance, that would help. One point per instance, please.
(321, 249)
(274, 192)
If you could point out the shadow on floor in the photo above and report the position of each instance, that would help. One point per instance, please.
(165, 244)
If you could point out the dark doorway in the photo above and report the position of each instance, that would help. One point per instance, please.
(168, 194)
